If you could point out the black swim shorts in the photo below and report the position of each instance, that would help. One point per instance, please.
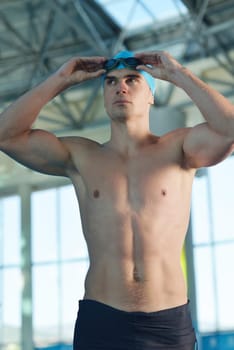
(102, 327)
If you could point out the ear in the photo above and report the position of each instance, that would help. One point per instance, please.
(151, 98)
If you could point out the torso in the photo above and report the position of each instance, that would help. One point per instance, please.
(135, 212)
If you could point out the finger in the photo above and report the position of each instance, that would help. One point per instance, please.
(94, 58)
(150, 58)
(145, 68)
(97, 59)
(95, 74)
(154, 71)
(89, 64)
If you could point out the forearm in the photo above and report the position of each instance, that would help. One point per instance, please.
(215, 108)
(20, 115)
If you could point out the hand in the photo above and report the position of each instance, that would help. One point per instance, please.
(161, 65)
(79, 69)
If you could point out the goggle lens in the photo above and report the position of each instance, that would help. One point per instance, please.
(129, 62)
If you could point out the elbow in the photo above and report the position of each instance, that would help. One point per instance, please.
(230, 129)
(2, 142)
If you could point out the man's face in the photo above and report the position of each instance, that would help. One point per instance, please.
(126, 94)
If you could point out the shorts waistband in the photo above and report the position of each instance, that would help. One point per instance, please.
(97, 304)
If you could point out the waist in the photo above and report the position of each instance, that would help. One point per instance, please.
(122, 288)
(182, 311)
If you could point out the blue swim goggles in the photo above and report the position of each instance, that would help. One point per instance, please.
(128, 62)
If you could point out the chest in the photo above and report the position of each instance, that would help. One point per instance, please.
(139, 180)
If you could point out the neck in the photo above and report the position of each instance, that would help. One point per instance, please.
(128, 136)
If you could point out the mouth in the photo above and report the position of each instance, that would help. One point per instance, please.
(121, 102)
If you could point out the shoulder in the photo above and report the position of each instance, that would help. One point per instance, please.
(77, 142)
(171, 145)
(82, 151)
(175, 137)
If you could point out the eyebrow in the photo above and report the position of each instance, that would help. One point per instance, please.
(125, 76)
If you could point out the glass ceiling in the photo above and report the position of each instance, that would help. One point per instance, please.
(132, 14)
(135, 14)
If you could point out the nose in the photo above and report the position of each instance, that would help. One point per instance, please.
(121, 87)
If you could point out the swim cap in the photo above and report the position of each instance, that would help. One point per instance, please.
(125, 54)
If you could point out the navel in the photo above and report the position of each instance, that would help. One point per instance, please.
(163, 192)
(136, 275)
(96, 193)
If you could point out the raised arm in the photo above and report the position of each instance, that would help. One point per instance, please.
(39, 149)
(208, 143)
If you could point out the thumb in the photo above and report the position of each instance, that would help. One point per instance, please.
(145, 68)
(156, 72)
(92, 75)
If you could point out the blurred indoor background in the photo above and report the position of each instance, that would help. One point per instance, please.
(43, 256)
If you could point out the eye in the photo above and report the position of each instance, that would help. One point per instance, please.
(132, 80)
(110, 81)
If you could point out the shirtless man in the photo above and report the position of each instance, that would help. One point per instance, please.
(134, 195)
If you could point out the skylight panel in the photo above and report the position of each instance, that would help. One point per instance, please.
(132, 14)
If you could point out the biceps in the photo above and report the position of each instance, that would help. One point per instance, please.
(205, 147)
(40, 151)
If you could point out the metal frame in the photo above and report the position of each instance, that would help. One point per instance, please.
(38, 36)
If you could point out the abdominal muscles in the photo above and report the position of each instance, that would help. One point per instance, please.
(135, 233)
(135, 266)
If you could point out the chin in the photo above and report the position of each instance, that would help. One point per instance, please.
(119, 119)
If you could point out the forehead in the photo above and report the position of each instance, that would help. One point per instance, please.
(122, 73)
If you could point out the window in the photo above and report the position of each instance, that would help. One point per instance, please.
(10, 275)
(60, 263)
(213, 241)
